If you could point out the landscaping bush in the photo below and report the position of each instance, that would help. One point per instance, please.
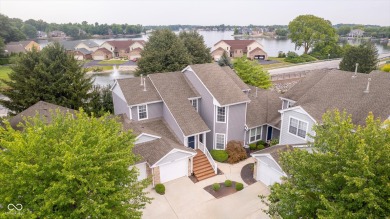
(239, 186)
(261, 142)
(219, 155)
(252, 146)
(216, 186)
(228, 183)
(293, 57)
(386, 68)
(160, 189)
(281, 54)
(236, 152)
(260, 147)
(274, 142)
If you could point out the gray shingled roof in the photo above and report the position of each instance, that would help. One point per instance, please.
(134, 93)
(69, 45)
(17, 48)
(337, 89)
(175, 91)
(153, 151)
(219, 83)
(233, 75)
(84, 51)
(22, 43)
(43, 109)
(275, 151)
(89, 43)
(263, 108)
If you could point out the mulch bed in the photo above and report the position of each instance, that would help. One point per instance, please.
(247, 174)
(223, 191)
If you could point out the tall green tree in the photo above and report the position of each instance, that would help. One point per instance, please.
(344, 30)
(73, 167)
(252, 73)
(346, 176)
(50, 75)
(366, 54)
(196, 47)
(164, 52)
(30, 31)
(8, 31)
(2, 47)
(308, 30)
(101, 100)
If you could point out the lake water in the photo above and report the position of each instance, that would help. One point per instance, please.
(109, 78)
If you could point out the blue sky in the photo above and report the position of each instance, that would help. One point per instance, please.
(202, 12)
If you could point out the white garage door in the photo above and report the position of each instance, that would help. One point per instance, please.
(173, 170)
(78, 57)
(267, 174)
(142, 171)
(98, 57)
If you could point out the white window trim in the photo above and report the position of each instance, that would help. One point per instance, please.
(197, 104)
(261, 134)
(216, 116)
(299, 120)
(147, 116)
(216, 139)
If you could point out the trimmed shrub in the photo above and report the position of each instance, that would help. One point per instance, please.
(260, 147)
(261, 142)
(274, 142)
(160, 189)
(236, 152)
(239, 186)
(252, 146)
(216, 186)
(219, 155)
(228, 183)
(293, 57)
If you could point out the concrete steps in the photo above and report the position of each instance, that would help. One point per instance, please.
(202, 166)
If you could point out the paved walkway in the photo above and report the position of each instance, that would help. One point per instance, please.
(184, 199)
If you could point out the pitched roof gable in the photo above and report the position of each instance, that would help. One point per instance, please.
(219, 83)
(134, 93)
(175, 90)
(275, 151)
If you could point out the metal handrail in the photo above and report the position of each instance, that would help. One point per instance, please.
(209, 157)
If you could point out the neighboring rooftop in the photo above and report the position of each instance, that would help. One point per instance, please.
(84, 51)
(123, 44)
(263, 108)
(104, 50)
(43, 109)
(89, 43)
(221, 85)
(22, 43)
(275, 151)
(134, 93)
(16, 48)
(238, 44)
(175, 90)
(332, 89)
(233, 75)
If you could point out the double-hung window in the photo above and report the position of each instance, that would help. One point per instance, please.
(220, 141)
(194, 103)
(298, 127)
(255, 134)
(142, 112)
(221, 114)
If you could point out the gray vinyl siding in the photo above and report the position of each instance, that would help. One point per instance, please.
(172, 123)
(155, 110)
(288, 138)
(236, 120)
(275, 134)
(221, 127)
(120, 106)
(134, 113)
(206, 106)
(264, 133)
(270, 162)
(284, 104)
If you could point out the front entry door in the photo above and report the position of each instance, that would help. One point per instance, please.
(191, 142)
(269, 133)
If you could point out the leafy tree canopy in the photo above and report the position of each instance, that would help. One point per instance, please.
(30, 31)
(308, 30)
(252, 73)
(101, 101)
(366, 54)
(196, 47)
(74, 167)
(346, 176)
(164, 52)
(2, 47)
(9, 31)
(51, 75)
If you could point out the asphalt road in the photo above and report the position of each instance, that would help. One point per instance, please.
(313, 66)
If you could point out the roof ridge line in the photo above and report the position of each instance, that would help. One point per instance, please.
(311, 88)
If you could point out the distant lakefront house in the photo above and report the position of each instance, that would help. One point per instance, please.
(88, 45)
(356, 33)
(204, 106)
(238, 48)
(82, 54)
(130, 49)
(101, 54)
(21, 47)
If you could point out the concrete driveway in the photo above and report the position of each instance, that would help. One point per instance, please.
(184, 199)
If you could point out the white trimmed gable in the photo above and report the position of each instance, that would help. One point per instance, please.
(144, 137)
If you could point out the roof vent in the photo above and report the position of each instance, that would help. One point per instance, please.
(144, 85)
(355, 75)
(368, 87)
(142, 82)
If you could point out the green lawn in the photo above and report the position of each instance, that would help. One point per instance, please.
(280, 64)
(4, 70)
(100, 68)
(112, 62)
